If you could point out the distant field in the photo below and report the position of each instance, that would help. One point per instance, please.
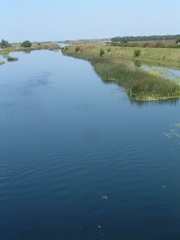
(166, 42)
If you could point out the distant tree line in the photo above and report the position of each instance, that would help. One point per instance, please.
(146, 44)
(145, 38)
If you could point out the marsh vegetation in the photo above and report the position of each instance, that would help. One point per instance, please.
(137, 83)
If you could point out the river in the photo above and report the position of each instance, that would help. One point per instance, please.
(80, 160)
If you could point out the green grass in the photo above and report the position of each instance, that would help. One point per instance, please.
(138, 84)
(157, 56)
(35, 46)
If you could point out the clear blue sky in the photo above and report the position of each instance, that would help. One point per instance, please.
(44, 20)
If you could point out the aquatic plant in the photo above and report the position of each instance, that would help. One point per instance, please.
(137, 83)
(174, 131)
(11, 59)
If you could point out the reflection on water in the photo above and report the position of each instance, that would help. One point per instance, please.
(27, 51)
(40, 80)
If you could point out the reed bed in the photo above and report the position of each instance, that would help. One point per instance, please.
(138, 84)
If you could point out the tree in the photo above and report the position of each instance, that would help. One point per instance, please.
(26, 43)
(178, 41)
(4, 43)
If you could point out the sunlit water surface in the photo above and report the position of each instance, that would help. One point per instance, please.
(80, 160)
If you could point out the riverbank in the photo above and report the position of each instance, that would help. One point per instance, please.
(110, 66)
(160, 56)
(4, 52)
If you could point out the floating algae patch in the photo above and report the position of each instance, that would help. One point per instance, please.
(176, 125)
(104, 197)
(174, 131)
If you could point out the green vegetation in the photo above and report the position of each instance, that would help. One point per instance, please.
(174, 131)
(138, 84)
(101, 52)
(178, 41)
(18, 47)
(4, 44)
(144, 45)
(77, 49)
(11, 59)
(26, 43)
(5, 54)
(159, 45)
(137, 52)
(156, 56)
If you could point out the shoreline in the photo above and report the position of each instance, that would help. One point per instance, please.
(4, 52)
(138, 84)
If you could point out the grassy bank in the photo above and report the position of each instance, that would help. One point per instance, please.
(160, 56)
(138, 84)
(35, 46)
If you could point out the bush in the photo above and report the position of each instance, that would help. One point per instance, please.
(77, 49)
(133, 45)
(174, 46)
(26, 43)
(144, 45)
(137, 52)
(108, 49)
(101, 53)
(160, 45)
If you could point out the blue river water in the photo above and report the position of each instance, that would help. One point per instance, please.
(80, 160)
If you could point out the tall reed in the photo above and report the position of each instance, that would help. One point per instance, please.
(136, 82)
